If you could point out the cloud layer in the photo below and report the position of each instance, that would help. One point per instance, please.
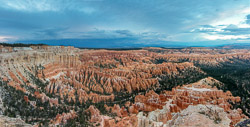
(147, 22)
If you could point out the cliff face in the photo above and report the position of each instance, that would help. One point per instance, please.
(132, 88)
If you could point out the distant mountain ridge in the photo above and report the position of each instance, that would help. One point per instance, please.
(122, 43)
(116, 44)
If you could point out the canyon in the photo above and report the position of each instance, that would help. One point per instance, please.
(148, 87)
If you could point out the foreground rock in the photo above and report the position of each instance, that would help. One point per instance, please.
(198, 116)
(12, 122)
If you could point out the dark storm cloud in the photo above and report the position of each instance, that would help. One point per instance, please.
(248, 19)
(228, 30)
(233, 29)
(124, 32)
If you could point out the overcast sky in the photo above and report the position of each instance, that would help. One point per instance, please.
(139, 22)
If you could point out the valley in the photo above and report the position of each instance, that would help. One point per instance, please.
(62, 85)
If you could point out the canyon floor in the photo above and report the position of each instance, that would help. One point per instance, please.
(146, 87)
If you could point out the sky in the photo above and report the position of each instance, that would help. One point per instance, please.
(125, 23)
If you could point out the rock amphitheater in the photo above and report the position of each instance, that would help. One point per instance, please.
(73, 77)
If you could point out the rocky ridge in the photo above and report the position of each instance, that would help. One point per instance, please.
(168, 108)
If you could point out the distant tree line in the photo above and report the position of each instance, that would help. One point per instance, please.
(20, 44)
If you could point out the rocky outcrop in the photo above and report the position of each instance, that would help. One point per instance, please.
(195, 103)
(201, 116)
(181, 98)
(12, 122)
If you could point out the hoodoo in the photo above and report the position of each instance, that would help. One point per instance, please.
(59, 85)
